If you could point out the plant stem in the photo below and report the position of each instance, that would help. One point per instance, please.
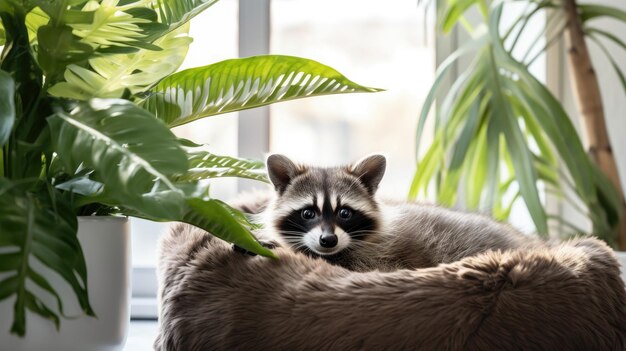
(589, 101)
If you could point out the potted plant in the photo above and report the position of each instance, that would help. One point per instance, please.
(88, 94)
(500, 131)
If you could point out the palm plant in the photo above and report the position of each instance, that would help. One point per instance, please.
(500, 132)
(88, 95)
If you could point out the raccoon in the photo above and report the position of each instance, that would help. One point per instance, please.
(334, 213)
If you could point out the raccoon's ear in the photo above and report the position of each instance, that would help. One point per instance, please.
(281, 171)
(370, 171)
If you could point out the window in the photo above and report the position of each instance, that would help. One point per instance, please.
(381, 44)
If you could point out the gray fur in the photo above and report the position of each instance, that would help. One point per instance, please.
(407, 234)
(569, 297)
(415, 235)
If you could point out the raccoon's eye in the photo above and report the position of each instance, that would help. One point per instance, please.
(345, 213)
(308, 214)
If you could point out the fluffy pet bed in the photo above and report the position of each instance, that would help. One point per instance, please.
(568, 297)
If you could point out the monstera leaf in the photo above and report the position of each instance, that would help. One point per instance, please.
(111, 24)
(125, 146)
(110, 76)
(72, 35)
(137, 158)
(224, 222)
(239, 84)
(159, 38)
(204, 164)
(175, 13)
(27, 216)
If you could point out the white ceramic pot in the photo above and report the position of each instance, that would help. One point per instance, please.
(106, 245)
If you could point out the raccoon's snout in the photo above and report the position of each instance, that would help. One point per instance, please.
(328, 240)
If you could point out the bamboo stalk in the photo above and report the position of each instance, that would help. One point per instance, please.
(589, 101)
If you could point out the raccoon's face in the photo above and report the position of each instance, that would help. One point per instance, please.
(324, 210)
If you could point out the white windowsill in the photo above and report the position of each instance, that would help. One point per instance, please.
(141, 335)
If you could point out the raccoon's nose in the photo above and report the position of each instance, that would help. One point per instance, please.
(328, 240)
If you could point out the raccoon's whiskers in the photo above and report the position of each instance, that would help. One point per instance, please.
(290, 233)
(363, 233)
(358, 245)
(297, 225)
(291, 240)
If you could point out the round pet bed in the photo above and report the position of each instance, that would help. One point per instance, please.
(567, 297)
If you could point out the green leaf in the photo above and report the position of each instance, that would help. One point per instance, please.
(110, 76)
(470, 84)
(34, 20)
(119, 26)
(215, 217)
(558, 127)
(10, 261)
(103, 135)
(494, 154)
(504, 213)
(127, 148)
(608, 196)
(477, 170)
(588, 12)
(44, 227)
(547, 171)
(517, 146)
(43, 283)
(212, 215)
(175, 13)
(82, 185)
(616, 67)
(59, 47)
(3, 34)
(442, 72)
(426, 168)
(8, 286)
(36, 305)
(607, 35)
(203, 165)
(18, 60)
(7, 106)
(238, 84)
(455, 10)
(449, 188)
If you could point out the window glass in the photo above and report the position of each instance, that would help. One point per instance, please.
(376, 43)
